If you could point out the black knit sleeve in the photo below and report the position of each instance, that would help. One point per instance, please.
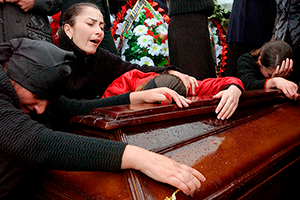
(249, 72)
(34, 144)
(66, 108)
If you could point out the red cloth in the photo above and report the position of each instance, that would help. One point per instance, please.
(54, 27)
(129, 81)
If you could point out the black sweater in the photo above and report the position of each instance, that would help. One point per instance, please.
(251, 76)
(92, 74)
(249, 72)
(25, 144)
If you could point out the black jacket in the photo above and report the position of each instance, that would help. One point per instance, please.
(27, 146)
(34, 24)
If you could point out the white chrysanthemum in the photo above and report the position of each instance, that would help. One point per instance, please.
(218, 61)
(151, 22)
(218, 49)
(140, 30)
(154, 49)
(125, 45)
(165, 49)
(120, 28)
(117, 42)
(135, 61)
(146, 61)
(161, 28)
(123, 57)
(157, 15)
(145, 41)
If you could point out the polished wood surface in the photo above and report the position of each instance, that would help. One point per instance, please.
(242, 157)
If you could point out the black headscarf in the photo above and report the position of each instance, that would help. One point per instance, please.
(39, 66)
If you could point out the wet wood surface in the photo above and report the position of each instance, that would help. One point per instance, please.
(256, 147)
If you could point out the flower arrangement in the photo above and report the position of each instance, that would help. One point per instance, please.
(146, 40)
(218, 23)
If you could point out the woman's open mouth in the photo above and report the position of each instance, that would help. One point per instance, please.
(96, 42)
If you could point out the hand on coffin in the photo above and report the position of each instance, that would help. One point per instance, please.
(162, 169)
(289, 88)
(228, 103)
(157, 95)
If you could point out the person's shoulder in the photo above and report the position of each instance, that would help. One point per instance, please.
(245, 61)
(246, 57)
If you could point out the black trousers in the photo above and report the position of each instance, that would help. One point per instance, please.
(189, 45)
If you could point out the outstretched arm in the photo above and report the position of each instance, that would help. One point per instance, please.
(162, 169)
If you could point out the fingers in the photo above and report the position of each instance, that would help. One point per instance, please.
(285, 69)
(291, 92)
(166, 170)
(228, 103)
(225, 109)
(194, 83)
(276, 72)
(289, 88)
(158, 95)
(187, 179)
(180, 100)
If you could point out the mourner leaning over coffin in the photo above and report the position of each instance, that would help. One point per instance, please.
(227, 89)
(95, 68)
(270, 66)
(33, 74)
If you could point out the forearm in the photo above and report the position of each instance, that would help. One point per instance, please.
(36, 145)
(72, 107)
(132, 157)
(269, 83)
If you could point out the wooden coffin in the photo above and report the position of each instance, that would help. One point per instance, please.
(252, 155)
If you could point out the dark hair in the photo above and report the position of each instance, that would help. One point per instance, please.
(72, 12)
(170, 81)
(273, 53)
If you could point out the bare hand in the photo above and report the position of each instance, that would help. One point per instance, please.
(25, 5)
(156, 95)
(285, 70)
(187, 80)
(162, 169)
(228, 103)
(289, 88)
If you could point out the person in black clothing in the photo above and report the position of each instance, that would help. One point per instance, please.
(95, 68)
(27, 18)
(270, 66)
(108, 41)
(188, 37)
(32, 74)
(250, 26)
